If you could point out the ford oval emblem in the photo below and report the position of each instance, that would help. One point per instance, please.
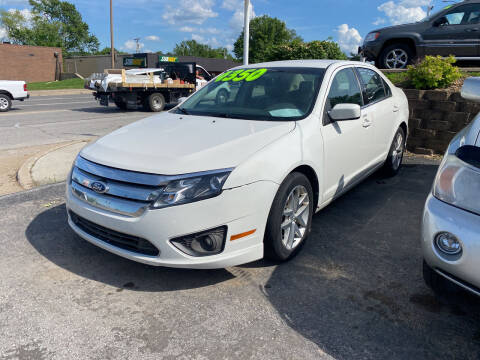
(98, 187)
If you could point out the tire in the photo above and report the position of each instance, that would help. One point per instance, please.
(122, 105)
(401, 52)
(279, 246)
(222, 96)
(156, 102)
(5, 103)
(395, 154)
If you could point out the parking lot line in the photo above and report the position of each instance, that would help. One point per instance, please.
(51, 104)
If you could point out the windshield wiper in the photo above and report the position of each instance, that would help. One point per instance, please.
(182, 110)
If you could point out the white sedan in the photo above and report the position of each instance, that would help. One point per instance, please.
(215, 184)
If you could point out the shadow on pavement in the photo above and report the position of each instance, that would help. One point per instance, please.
(51, 237)
(356, 288)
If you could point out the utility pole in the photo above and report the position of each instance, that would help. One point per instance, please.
(137, 40)
(112, 51)
(246, 31)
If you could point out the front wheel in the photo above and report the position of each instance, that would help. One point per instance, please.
(395, 155)
(5, 103)
(290, 219)
(396, 56)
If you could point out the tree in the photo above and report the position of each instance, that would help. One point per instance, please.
(264, 33)
(52, 23)
(107, 50)
(299, 50)
(194, 48)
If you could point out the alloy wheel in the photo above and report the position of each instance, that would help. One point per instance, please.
(3, 104)
(295, 218)
(396, 59)
(397, 152)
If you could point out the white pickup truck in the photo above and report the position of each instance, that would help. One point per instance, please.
(12, 90)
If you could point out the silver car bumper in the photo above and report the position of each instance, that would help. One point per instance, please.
(464, 270)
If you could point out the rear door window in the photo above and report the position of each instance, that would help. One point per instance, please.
(373, 89)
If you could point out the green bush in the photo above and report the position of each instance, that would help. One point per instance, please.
(301, 50)
(434, 73)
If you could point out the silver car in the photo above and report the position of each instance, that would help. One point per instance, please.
(451, 219)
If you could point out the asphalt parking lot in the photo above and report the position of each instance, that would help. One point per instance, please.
(354, 292)
(51, 119)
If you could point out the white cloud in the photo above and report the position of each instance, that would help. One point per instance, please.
(349, 39)
(232, 5)
(26, 13)
(198, 38)
(13, 2)
(237, 20)
(131, 45)
(190, 11)
(379, 21)
(3, 34)
(152, 38)
(405, 11)
(187, 29)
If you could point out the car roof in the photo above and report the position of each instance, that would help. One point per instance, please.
(322, 64)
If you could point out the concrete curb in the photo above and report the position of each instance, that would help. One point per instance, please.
(24, 174)
(35, 93)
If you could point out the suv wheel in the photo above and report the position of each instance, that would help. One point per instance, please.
(5, 103)
(396, 56)
(290, 219)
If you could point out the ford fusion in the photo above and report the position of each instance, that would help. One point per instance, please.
(451, 220)
(237, 170)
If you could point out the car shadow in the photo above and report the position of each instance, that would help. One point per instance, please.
(51, 236)
(356, 288)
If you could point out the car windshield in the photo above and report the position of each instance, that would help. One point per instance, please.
(258, 94)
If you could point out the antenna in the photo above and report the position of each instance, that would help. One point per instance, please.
(137, 40)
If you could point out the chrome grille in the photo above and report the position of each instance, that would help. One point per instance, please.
(120, 191)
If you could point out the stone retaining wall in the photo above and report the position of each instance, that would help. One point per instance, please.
(435, 117)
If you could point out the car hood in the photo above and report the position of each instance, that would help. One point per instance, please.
(403, 27)
(171, 144)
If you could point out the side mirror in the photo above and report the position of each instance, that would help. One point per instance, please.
(440, 21)
(471, 89)
(344, 112)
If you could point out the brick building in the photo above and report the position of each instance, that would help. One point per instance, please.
(30, 63)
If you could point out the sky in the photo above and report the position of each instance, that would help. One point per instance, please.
(160, 24)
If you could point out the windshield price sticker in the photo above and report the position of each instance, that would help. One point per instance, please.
(241, 75)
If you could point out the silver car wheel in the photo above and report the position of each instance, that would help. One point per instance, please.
(396, 59)
(296, 214)
(397, 152)
(3, 104)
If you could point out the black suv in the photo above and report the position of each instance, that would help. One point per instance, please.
(455, 30)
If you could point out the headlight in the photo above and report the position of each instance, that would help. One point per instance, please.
(191, 188)
(372, 36)
(458, 184)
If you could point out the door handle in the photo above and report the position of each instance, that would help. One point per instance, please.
(472, 30)
(396, 108)
(366, 123)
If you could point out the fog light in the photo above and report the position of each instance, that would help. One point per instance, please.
(206, 243)
(448, 243)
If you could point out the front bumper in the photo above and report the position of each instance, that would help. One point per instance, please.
(241, 210)
(464, 270)
(371, 50)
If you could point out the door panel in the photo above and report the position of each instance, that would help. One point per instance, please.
(456, 33)
(346, 143)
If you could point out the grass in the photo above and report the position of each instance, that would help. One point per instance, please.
(57, 85)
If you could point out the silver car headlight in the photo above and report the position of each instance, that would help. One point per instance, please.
(458, 183)
(191, 188)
